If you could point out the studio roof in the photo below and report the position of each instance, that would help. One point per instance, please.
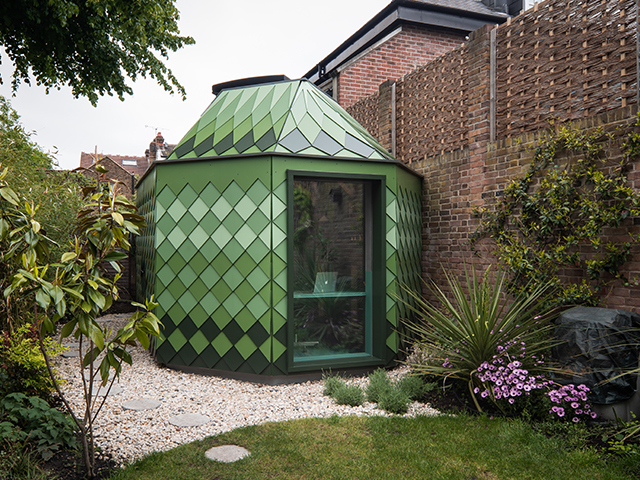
(288, 117)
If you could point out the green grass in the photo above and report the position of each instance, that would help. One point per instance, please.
(459, 447)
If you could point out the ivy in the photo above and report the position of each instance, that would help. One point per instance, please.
(551, 223)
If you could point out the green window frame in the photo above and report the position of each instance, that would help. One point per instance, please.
(373, 292)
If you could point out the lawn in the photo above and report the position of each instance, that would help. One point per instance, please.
(445, 447)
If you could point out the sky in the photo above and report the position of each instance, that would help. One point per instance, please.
(234, 39)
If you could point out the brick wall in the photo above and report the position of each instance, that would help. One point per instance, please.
(564, 60)
(401, 54)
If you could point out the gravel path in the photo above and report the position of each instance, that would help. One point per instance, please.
(129, 434)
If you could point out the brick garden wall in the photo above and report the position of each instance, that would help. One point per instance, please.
(564, 60)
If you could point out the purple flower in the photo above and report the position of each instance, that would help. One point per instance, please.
(575, 405)
(593, 415)
(511, 400)
(575, 419)
(560, 412)
(476, 390)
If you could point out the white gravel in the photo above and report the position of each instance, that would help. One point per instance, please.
(129, 434)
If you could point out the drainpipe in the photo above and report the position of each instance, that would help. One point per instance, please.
(393, 119)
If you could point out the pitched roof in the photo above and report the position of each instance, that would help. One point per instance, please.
(289, 117)
(457, 15)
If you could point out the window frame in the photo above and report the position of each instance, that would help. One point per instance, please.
(376, 337)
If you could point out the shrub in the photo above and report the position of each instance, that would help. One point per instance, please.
(394, 400)
(331, 384)
(467, 330)
(32, 420)
(348, 395)
(414, 387)
(378, 384)
(22, 365)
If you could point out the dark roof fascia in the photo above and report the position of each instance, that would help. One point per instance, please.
(277, 154)
(397, 13)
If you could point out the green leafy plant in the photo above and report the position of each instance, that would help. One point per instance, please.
(32, 420)
(77, 292)
(467, 330)
(346, 394)
(394, 400)
(22, 365)
(331, 383)
(379, 384)
(553, 218)
(20, 461)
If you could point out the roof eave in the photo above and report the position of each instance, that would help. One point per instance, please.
(396, 13)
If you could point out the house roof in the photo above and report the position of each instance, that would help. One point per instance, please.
(289, 117)
(458, 15)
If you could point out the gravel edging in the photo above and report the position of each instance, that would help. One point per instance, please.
(128, 435)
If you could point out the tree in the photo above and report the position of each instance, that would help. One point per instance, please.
(78, 291)
(58, 194)
(91, 46)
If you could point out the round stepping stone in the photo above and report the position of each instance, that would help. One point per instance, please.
(100, 391)
(189, 420)
(73, 350)
(227, 453)
(141, 404)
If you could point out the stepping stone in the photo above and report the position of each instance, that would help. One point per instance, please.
(141, 404)
(73, 350)
(100, 391)
(227, 453)
(189, 420)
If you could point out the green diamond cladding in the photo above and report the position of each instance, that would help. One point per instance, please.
(252, 119)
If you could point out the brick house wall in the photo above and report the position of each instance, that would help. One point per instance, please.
(403, 53)
(564, 60)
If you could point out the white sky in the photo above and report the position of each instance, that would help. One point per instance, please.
(234, 39)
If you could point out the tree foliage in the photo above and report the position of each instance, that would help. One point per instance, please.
(92, 46)
(57, 194)
(555, 218)
(75, 291)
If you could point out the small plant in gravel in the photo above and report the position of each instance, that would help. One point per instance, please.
(331, 383)
(379, 384)
(395, 401)
(351, 395)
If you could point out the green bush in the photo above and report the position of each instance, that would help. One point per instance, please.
(395, 401)
(22, 366)
(414, 387)
(379, 383)
(32, 420)
(348, 395)
(331, 384)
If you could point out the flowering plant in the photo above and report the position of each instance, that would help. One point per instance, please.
(571, 401)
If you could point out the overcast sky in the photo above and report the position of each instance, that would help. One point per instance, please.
(234, 39)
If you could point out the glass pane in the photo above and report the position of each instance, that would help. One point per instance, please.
(329, 268)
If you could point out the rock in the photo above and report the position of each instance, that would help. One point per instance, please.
(227, 453)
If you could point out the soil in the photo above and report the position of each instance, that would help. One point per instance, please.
(68, 465)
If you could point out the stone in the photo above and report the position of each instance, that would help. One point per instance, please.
(189, 420)
(100, 391)
(139, 404)
(227, 453)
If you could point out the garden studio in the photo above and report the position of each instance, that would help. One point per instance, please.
(279, 233)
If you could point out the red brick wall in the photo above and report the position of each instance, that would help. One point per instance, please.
(448, 140)
(400, 55)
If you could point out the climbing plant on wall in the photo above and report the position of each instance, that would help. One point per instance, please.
(555, 221)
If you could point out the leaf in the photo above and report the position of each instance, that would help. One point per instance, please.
(114, 256)
(143, 338)
(42, 299)
(117, 217)
(9, 195)
(68, 256)
(67, 329)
